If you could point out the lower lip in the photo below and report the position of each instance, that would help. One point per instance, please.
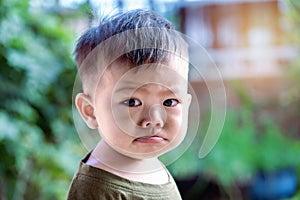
(150, 140)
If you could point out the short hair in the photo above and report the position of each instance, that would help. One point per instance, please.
(157, 40)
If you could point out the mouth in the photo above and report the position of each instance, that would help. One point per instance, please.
(150, 139)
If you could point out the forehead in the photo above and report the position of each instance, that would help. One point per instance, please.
(122, 75)
(165, 77)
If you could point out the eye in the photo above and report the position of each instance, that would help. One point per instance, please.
(170, 102)
(132, 102)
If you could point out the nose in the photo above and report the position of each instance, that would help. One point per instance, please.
(154, 117)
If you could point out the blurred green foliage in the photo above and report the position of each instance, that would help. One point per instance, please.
(248, 144)
(293, 19)
(38, 144)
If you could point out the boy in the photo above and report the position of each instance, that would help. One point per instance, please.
(134, 70)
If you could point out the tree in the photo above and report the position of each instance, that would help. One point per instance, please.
(291, 101)
(38, 143)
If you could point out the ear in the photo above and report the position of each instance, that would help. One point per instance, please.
(86, 109)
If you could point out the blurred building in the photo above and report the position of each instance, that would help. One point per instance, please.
(247, 39)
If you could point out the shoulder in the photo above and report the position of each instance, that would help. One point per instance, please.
(92, 186)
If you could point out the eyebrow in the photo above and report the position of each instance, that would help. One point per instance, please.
(164, 90)
(131, 86)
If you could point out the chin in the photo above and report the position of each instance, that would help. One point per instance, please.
(147, 155)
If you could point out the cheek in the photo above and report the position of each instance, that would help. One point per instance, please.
(123, 118)
(178, 121)
(103, 112)
(111, 127)
(104, 116)
(174, 120)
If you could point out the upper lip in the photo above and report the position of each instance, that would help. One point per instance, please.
(152, 136)
(153, 132)
(149, 137)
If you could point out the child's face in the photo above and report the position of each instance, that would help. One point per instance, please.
(142, 112)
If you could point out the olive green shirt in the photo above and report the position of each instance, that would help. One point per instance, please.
(93, 183)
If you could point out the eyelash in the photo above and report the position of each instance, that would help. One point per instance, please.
(128, 102)
(176, 102)
(132, 102)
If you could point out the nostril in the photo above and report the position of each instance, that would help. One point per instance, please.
(159, 124)
(146, 122)
(155, 117)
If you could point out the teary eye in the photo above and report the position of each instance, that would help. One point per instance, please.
(132, 102)
(170, 102)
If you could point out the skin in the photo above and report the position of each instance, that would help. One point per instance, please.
(140, 113)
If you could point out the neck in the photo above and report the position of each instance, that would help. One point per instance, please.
(106, 157)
